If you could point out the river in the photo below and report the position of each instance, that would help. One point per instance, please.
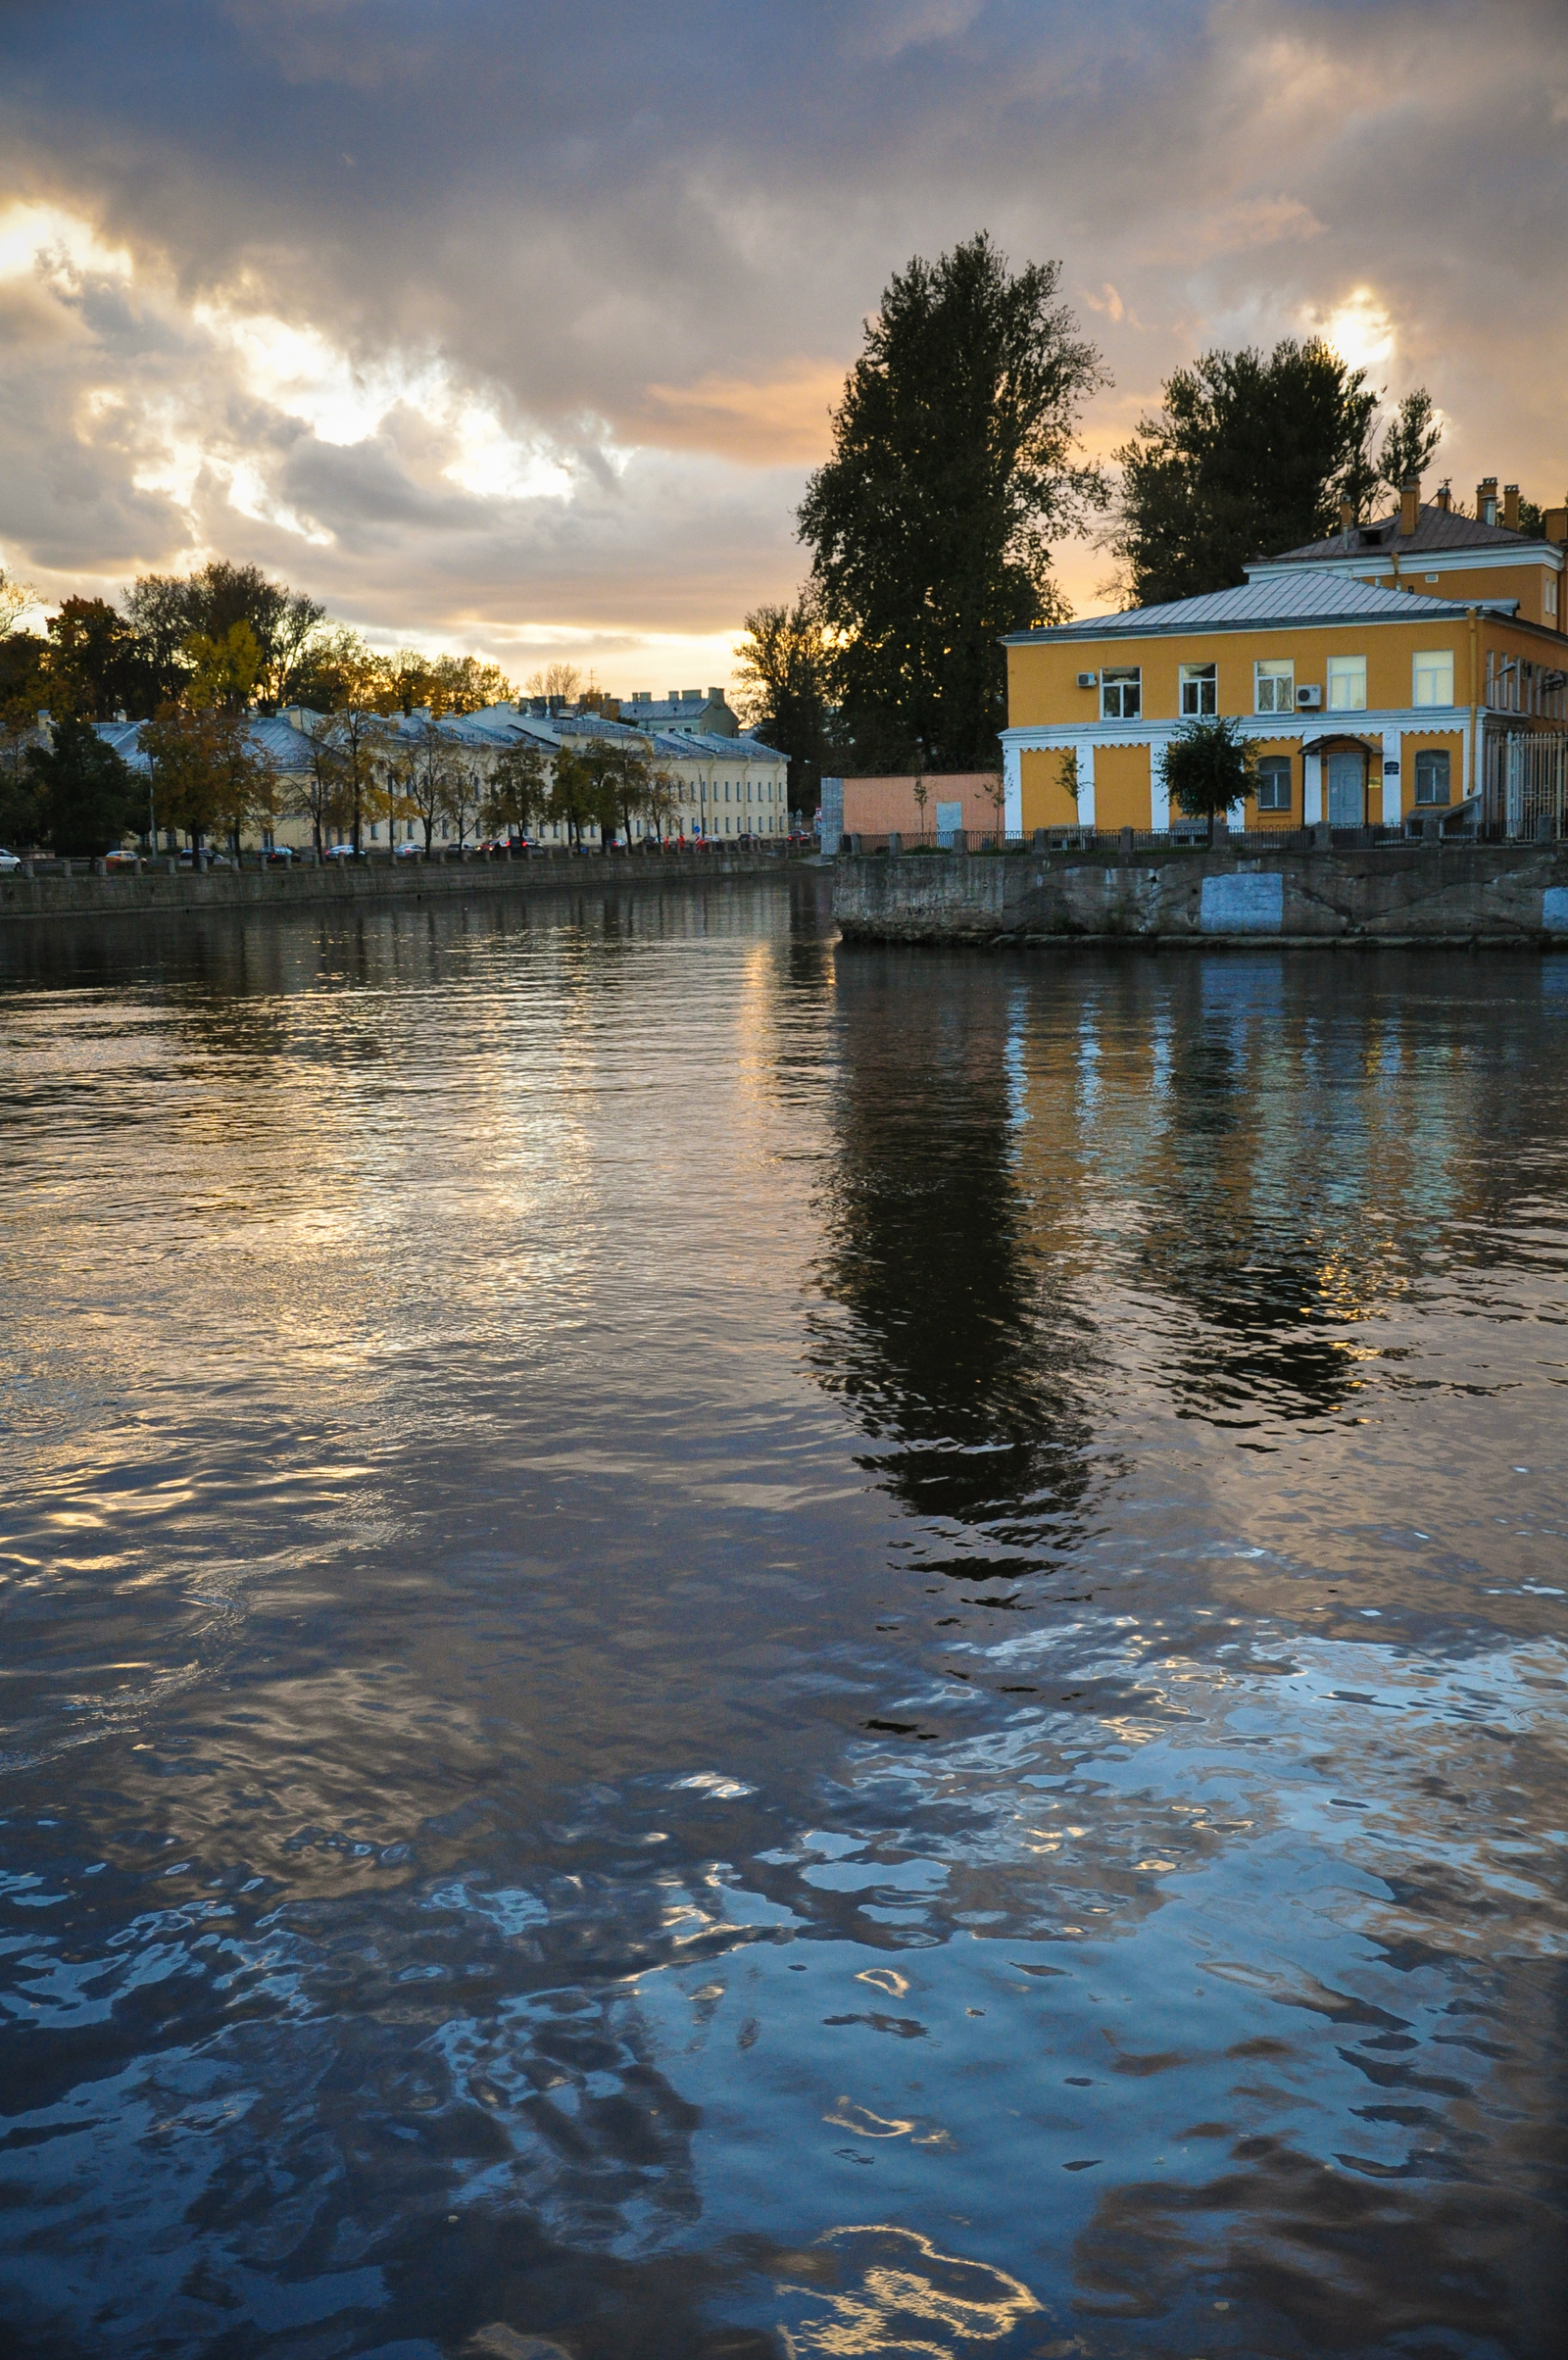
(720, 1646)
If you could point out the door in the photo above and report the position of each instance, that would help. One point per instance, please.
(1347, 790)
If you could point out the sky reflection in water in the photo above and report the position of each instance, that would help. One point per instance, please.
(718, 1645)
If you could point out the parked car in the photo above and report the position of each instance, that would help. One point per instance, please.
(9, 860)
(279, 854)
(119, 858)
(409, 851)
(187, 859)
(340, 851)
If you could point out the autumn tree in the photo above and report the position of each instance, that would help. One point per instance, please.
(784, 671)
(562, 680)
(211, 775)
(955, 464)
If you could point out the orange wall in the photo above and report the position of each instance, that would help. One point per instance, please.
(1042, 678)
(1044, 802)
(876, 807)
(1121, 786)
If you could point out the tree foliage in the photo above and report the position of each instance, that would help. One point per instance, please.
(1247, 456)
(1210, 764)
(210, 776)
(785, 673)
(87, 796)
(954, 465)
(1412, 442)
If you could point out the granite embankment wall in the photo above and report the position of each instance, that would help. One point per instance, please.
(1492, 894)
(26, 900)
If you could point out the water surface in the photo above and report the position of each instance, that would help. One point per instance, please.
(714, 1645)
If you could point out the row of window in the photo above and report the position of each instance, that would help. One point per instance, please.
(1121, 687)
(1432, 772)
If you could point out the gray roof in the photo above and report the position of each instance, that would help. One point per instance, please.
(1272, 602)
(289, 748)
(1436, 528)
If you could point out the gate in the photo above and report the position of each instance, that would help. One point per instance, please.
(1526, 774)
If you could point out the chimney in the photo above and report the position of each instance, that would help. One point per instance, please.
(715, 696)
(1510, 506)
(1409, 506)
(1446, 495)
(1487, 499)
(1346, 516)
(1554, 524)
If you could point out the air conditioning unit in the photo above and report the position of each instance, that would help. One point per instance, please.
(1089, 679)
(1308, 699)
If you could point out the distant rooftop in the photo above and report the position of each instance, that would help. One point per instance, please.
(1436, 527)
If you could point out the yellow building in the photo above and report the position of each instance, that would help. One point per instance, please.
(1409, 668)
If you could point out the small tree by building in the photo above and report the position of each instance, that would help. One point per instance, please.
(421, 771)
(1209, 765)
(517, 790)
(209, 774)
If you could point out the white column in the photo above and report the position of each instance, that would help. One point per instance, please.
(1012, 788)
(1311, 789)
(1393, 787)
(1158, 791)
(1086, 782)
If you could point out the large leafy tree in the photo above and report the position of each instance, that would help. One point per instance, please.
(86, 798)
(955, 464)
(97, 665)
(785, 672)
(166, 611)
(1247, 455)
(210, 775)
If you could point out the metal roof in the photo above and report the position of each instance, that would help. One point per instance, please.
(284, 745)
(1272, 602)
(1436, 528)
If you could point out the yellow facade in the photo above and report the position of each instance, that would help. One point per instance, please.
(1413, 683)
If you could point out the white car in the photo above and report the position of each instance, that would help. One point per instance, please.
(9, 860)
(340, 851)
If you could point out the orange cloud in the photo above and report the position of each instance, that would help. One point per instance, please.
(774, 422)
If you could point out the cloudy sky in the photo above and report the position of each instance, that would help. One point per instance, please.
(513, 324)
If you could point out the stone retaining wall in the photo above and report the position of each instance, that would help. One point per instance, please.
(1492, 894)
(126, 895)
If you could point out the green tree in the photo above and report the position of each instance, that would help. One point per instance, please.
(955, 462)
(423, 762)
(1247, 456)
(576, 792)
(784, 673)
(1210, 764)
(96, 664)
(88, 798)
(624, 785)
(166, 611)
(224, 668)
(1412, 442)
(516, 792)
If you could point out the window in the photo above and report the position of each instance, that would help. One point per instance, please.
(1434, 677)
(1347, 684)
(1199, 690)
(1549, 601)
(1121, 694)
(1274, 783)
(1274, 686)
(1431, 774)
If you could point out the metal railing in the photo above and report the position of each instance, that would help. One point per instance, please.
(1524, 778)
(1440, 824)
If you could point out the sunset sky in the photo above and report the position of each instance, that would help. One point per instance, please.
(514, 325)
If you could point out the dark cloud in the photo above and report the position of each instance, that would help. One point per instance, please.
(473, 313)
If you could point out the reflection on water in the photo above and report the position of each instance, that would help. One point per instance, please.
(718, 1645)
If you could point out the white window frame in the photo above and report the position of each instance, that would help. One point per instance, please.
(1275, 670)
(1341, 672)
(1549, 600)
(1197, 677)
(1284, 761)
(1432, 663)
(1429, 756)
(1116, 681)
